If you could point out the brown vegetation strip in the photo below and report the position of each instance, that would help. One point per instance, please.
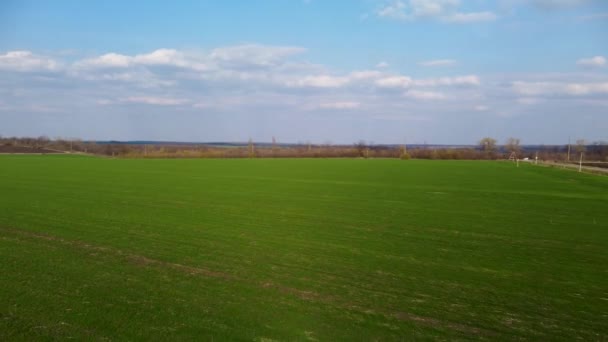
(4, 149)
(140, 260)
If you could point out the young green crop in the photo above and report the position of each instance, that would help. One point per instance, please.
(327, 249)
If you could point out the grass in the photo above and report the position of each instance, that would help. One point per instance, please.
(300, 249)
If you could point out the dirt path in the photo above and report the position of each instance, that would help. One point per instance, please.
(586, 169)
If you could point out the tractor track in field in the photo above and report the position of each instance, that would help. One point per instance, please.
(312, 296)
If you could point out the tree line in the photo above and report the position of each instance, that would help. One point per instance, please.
(487, 148)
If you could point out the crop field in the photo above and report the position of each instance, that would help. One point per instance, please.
(300, 249)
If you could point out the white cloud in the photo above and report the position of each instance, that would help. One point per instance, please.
(432, 8)
(151, 100)
(394, 10)
(438, 63)
(160, 57)
(586, 89)
(158, 83)
(406, 82)
(560, 88)
(253, 63)
(239, 56)
(22, 60)
(319, 81)
(424, 95)
(109, 60)
(364, 75)
(594, 62)
(382, 65)
(469, 80)
(444, 10)
(394, 82)
(254, 54)
(340, 105)
(171, 57)
(472, 17)
(244, 65)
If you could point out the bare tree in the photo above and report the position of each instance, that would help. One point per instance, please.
(42, 141)
(403, 152)
(488, 144)
(580, 145)
(361, 147)
(513, 145)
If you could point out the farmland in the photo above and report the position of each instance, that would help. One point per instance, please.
(300, 249)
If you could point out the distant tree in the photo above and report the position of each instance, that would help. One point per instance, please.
(512, 145)
(274, 146)
(580, 145)
(403, 153)
(361, 147)
(78, 144)
(370, 147)
(602, 150)
(487, 144)
(42, 141)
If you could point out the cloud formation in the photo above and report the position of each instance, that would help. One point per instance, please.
(276, 83)
(424, 95)
(560, 88)
(340, 105)
(150, 100)
(24, 61)
(448, 11)
(438, 63)
(593, 62)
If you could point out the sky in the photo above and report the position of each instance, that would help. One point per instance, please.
(321, 71)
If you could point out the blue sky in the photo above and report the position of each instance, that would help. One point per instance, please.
(440, 71)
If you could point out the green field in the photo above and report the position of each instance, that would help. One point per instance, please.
(300, 249)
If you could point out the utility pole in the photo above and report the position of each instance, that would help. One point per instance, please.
(568, 148)
(580, 163)
(251, 148)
